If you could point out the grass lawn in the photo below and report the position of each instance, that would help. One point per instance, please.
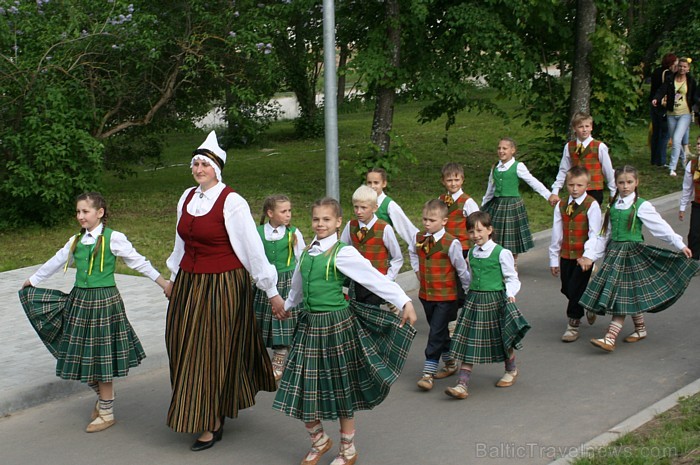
(144, 206)
(672, 438)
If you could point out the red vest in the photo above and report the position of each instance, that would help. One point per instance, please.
(456, 222)
(207, 245)
(438, 280)
(589, 159)
(372, 246)
(575, 228)
(696, 182)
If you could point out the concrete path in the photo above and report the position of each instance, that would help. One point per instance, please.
(566, 395)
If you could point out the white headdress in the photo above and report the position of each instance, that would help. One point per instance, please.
(210, 152)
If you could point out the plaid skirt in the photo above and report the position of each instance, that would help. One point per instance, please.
(637, 278)
(341, 362)
(218, 361)
(487, 328)
(275, 333)
(511, 227)
(87, 331)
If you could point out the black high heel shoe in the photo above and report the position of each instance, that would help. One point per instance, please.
(203, 445)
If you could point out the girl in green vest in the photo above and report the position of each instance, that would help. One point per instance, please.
(87, 330)
(503, 202)
(283, 245)
(346, 354)
(490, 326)
(635, 277)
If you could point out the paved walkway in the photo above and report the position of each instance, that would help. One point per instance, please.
(567, 394)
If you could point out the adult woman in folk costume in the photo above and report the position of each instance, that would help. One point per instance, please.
(218, 361)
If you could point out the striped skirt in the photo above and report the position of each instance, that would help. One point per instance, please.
(511, 227)
(637, 278)
(218, 361)
(488, 327)
(275, 333)
(341, 362)
(87, 331)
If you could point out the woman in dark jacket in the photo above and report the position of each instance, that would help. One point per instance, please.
(680, 92)
(659, 128)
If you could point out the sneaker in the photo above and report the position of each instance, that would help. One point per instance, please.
(604, 343)
(672, 173)
(458, 392)
(508, 379)
(426, 382)
(449, 369)
(638, 335)
(591, 316)
(570, 335)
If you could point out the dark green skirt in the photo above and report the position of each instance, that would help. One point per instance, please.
(342, 362)
(511, 227)
(275, 333)
(637, 278)
(87, 331)
(488, 327)
(218, 361)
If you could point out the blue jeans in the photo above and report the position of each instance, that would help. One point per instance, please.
(677, 127)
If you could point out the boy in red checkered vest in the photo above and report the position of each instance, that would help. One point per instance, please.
(691, 192)
(374, 239)
(459, 204)
(577, 222)
(590, 153)
(436, 257)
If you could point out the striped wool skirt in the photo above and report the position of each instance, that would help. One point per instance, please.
(511, 227)
(341, 362)
(87, 331)
(275, 333)
(218, 361)
(637, 278)
(488, 327)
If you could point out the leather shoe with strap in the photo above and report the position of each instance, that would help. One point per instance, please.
(316, 451)
(638, 335)
(604, 343)
(508, 379)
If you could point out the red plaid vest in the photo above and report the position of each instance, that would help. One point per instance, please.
(575, 228)
(456, 222)
(589, 159)
(438, 280)
(372, 246)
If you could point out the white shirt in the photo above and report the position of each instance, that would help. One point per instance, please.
(242, 234)
(455, 254)
(595, 224)
(470, 206)
(523, 173)
(688, 188)
(505, 258)
(650, 218)
(400, 222)
(119, 245)
(390, 241)
(280, 232)
(603, 157)
(354, 266)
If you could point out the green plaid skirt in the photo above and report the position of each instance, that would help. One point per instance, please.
(511, 227)
(487, 328)
(637, 278)
(218, 361)
(341, 362)
(275, 332)
(87, 331)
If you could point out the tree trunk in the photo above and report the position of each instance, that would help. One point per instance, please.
(386, 93)
(581, 76)
(342, 62)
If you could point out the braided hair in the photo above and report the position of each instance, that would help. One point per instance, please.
(626, 169)
(270, 203)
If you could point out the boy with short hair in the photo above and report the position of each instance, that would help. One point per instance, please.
(691, 194)
(436, 257)
(374, 239)
(587, 152)
(577, 223)
(459, 204)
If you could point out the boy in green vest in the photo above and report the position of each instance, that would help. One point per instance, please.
(436, 257)
(374, 239)
(577, 222)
